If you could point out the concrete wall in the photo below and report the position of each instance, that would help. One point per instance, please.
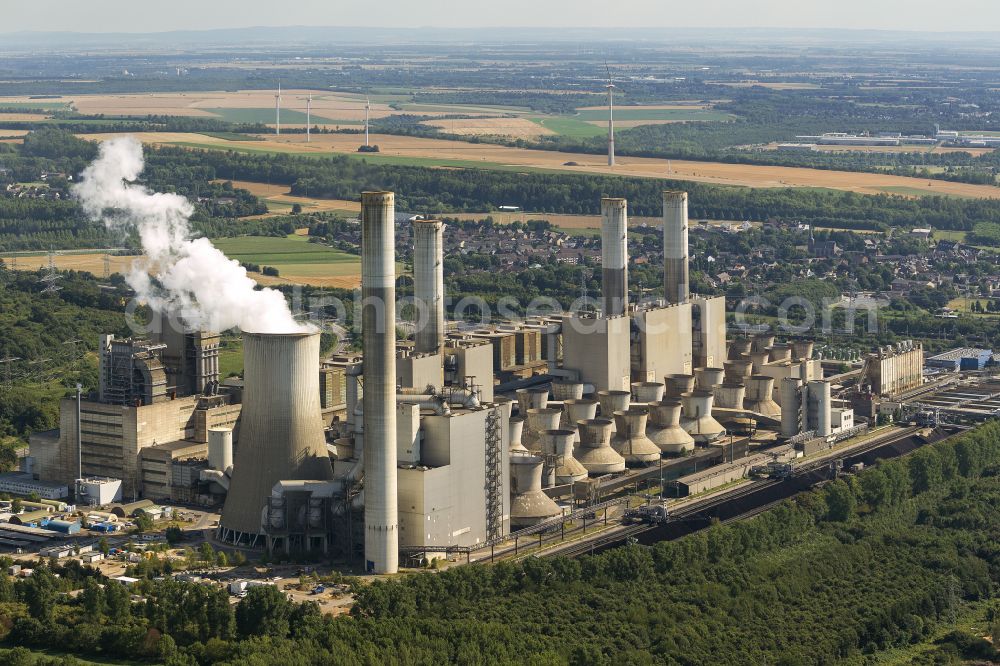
(112, 438)
(455, 447)
(708, 339)
(475, 360)
(599, 350)
(420, 370)
(425, 507)
(664, 343)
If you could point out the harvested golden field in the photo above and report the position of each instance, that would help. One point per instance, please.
(279, 200)
(21, 117)
(520, 128)
(345, 275)
(443, 152)
(328, 108)
(88, 262)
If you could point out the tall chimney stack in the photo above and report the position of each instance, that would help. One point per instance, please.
(675, 247)
(378, 330)
(614, 256)
(428, 284)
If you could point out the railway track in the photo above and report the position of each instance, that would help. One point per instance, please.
(691, 518)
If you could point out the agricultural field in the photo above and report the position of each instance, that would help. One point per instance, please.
(519, 128)
(633, 116)
(459, 154)
(92, 261)
(245, 106)
(568, 126)
(279, 201)
(298, 261)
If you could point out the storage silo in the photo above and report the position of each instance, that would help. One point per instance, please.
(528, 504)
(664, 427)
(761, 341)
(820, 404)
(760, 396)
(560, 443)
(220, 448)
(802, 349)
(738, 370)
(515, 434)
(531, 398)
(729, 396)
(539, 420)
(696, 417)
(630, 438)
(577, 410)
(611, 402)
(706, 378)
(678, 384)
(759, 360)
(646, 392)
(567, 390)
(780, 352)
(738, 347)
(595, 452)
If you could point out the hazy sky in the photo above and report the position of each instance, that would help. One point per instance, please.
(140, 15)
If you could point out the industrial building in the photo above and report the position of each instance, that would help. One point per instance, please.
(415, 448)
(963, 358)
(144, 418)
(21, 483)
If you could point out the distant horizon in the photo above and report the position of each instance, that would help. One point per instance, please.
(443, 28)
(128, 17)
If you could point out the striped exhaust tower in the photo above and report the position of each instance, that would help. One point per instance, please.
(675, 247)
(428, 285)
(614, 256)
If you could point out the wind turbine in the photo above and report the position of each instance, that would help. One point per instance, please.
(277, 110)
(309, 102)
(611, 117)
(368, 108)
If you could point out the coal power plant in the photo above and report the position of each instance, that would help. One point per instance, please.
(458, 437)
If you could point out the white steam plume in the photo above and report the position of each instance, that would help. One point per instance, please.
(193, 279)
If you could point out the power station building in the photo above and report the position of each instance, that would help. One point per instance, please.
(409, 447)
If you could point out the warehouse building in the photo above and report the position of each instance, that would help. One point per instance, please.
(963, 358)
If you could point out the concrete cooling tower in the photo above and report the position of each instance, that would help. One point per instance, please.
(281, 427)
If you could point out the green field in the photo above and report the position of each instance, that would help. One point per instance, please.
(290, 116)
(958, 236)
(678, 115)
(231, 357)
(567, 126)
(296, 259)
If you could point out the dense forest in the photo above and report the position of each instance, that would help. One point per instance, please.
(876, 561)
(46, 340)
